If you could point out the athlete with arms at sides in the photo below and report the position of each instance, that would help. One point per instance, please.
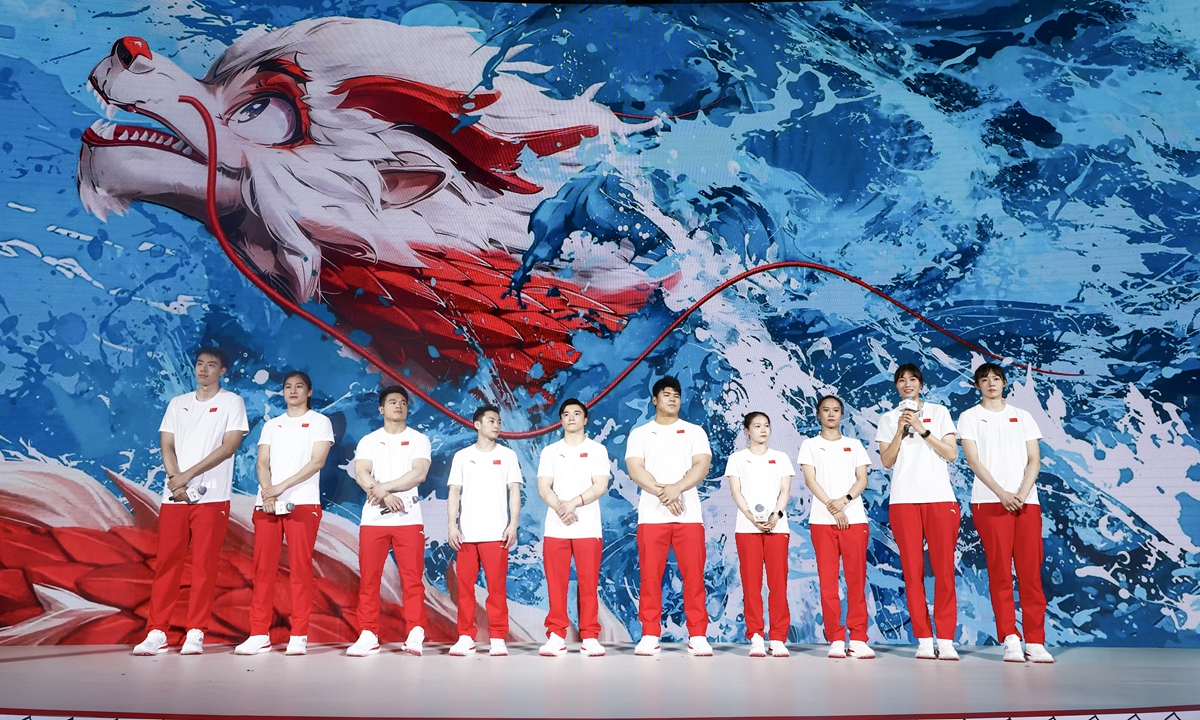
(760, 480)
(389, 464)
(485, 482)
(668, 458)
(835, 470)
(1000, 443)
(917, 441)
(199, 434)
(291, 452)
(572, 477)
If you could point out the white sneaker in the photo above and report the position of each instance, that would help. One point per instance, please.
(193, 644)
(648, 645)
(757, 648)
(297, 645)
(154, 644)
(366, 644)
(779, 649)
(464, 646)
(591, 647)
(413, 644)
(1037, 653)
(554, 646)
(254, 645)
(1012, 649)
(925, 649)
(946, 650)
(860, 650)
(499, 649)
(698, 646)
(837, 649)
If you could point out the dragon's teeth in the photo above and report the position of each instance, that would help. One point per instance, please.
(110, 111)
(177, 145)
(97, 126)
(187, 151)
(124, 135)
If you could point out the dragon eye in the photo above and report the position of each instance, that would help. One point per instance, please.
(267, 120)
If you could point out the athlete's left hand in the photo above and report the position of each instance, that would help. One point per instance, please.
(271, 492)
(842, 521)
(178, 481)
(668, 494)
(510, 537)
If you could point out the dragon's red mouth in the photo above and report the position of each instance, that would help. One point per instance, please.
(106, 134)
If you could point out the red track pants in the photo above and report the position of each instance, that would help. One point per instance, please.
(557, 552)
(936, 524)
(1014, 538)
(756, 551)
(407, 543)
(494, 558)
(844, 551)
(300, 527)
(654, 541)
(204, 526)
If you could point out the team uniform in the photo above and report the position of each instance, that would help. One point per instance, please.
(667, 451)
(403, 533)
(199, 428)
(1009, 538)
(836, 464)
(923, 510)
(761, 478)
(573, 469)
(484, 478)
(291, 441)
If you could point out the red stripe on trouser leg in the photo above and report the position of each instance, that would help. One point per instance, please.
(407, 543)
(936, 524)
(300, 527)
(556, 554)
(847, 549)
(655, 540)
(1014, 539)
(756, 551)
(204, 525)
(493, 556)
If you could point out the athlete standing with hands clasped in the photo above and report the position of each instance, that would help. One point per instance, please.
(668, 458)
(760, 480)
(291, 452)
(572, 477)
(917, 441)
(835, 470)
(1001, 446)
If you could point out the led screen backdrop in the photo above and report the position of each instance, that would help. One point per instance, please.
(511, 203)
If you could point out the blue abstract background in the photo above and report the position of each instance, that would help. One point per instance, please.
(1022, 172)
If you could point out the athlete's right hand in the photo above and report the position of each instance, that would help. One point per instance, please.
(454, 537)
(268, 505)
(676, 506)
(569, 519)
(180, 495)
(842, 521)
(393, 503)
(377, 495)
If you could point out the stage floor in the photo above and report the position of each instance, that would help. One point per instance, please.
(91, 680)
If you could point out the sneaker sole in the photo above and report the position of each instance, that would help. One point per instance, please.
(143, 653)
(462, 653)
(587, 653)
(1042, 662)
(863, 657)
(759, 654)
(948, 659)
(410, 651)
(267, 649)
(296, 652)
(695, 653)
(372, 651)
(1015, 659)
(497, 654)
(927, 657)
(647, 653)
(191, 652)
(551, 653)
(836, 657)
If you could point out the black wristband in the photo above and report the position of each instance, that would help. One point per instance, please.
(926, 434)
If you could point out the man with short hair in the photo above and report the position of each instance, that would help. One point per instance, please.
(485, 484)
(389, 464)
(668, 458)
(199, 434)
(1001, 446)
(572, 477)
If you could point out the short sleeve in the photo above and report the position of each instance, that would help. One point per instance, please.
(887, 428)
(788, 468)
(236, 419)
(1030, 426)
(806, 454)
(945, 426)
(268, 432)
(324, 430)
(733, 466)
(545, 463)
(635, 445)
(456, 471)
(600, 463)
(699, 443)
(362, 451)
(169, 417)
(422, 450)
(514, 471)
(860, 455)
(966, 426)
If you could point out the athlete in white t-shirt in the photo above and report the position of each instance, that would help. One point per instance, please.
(484, 510)
(1001, 446)
(668, 458)
(389, 464)
(291, 452)
(572, 477)
(835, 470)
(917, 441)
(760, 480)
(199, 435)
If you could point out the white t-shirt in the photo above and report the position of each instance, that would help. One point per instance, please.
(198, 428)
(667, 451)
(573, 469)
(836, 463)
(392, 455)
(1000, 437)
(761, 477)
(920, 475)
(291, 441)
(483, 503)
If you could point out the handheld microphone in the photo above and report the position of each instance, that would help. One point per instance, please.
(761, 513)
(195, 493)
(910, 405)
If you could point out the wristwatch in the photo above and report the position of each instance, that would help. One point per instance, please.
(927, 433)
(779, 513)
(849, 498)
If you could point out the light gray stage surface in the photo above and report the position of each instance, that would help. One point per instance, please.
(325, 683)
